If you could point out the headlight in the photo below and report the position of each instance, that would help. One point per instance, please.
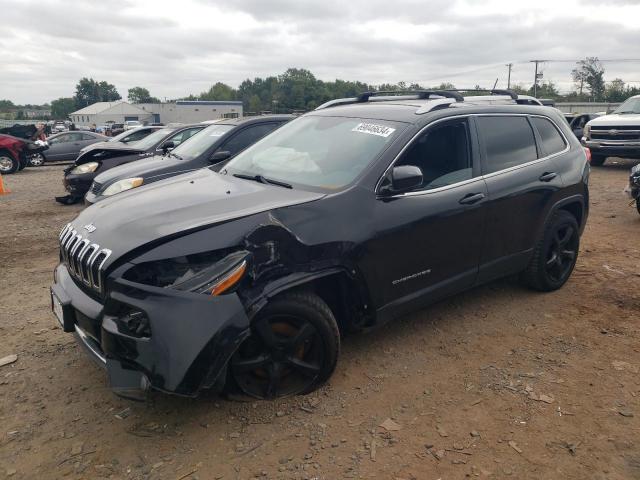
(85, 168)
(586, 132)
(210, 273)
(122, 185)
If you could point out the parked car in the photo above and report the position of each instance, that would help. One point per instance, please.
(343, 219)
(616, 134)
(129, 124)
(215, 144)
(125, 137)
(15, 151)
(65, 146)
(79, 176)
(59, 127)
(633, 189)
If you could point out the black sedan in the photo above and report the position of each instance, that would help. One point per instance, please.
(65, 146)
(216, 143)
(79, 176)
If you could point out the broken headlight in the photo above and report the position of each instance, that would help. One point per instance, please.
(211, 273)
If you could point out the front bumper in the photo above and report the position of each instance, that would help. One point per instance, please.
(627, 150)
(191, 339)
(78, 184)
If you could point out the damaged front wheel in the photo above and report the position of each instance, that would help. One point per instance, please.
(293, 348)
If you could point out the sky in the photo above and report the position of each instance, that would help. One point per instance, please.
(179, 48)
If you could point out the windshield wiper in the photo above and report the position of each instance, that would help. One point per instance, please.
(261, 179)
(171, 154)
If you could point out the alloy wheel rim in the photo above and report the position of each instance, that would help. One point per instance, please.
(282, 357)
(37, 160)
(5, 164)
(562, 253)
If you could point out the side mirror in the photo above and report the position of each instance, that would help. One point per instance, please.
(401, 179)
(219, 156)
(166, 146)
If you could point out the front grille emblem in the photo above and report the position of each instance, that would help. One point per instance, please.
(90, 228)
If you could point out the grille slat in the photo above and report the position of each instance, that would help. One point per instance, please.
(84, 260)
(95, 188)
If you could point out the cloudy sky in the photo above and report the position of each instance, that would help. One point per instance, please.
(177, 48)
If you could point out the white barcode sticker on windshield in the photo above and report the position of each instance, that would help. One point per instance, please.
(373, 129)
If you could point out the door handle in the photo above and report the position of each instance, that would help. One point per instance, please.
(471, 198)
(548, 176)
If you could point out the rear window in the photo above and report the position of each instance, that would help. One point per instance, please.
(552, 141)
(508, 142)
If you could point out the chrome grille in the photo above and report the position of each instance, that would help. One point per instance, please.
(83, 259)
(95, 188)
(620, 133)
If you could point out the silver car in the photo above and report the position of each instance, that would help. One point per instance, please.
(65, 146)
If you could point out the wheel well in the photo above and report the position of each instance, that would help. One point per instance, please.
(341, 294)
(4, 150)
(575, 209)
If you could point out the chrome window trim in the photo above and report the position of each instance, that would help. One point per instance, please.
(480, 177)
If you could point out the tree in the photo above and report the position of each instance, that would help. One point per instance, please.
(88, 91)
(20, 115)
(547, 89)
(615, 91)
(62, 107)
(219, 91)
(6, 105)
(140, 95)
(589, 73)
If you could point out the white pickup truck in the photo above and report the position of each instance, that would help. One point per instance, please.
(616, 134)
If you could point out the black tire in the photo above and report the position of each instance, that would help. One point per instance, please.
(8, 164)
(293, 349)
(37, 160)
(638, 204)
(598, 160)
(555, 255)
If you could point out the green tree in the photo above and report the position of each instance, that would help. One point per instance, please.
(88, 91)
(615, 91)
(6, 105)
(546, 89)
(589, 75)
(20, 115)
(219, 91)
(140, 95)
(62, 107)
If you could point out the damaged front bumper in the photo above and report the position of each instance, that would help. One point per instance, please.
(180, 342)
(78, 184)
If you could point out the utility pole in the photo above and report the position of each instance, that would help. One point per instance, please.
(509, 76)
(535, 79)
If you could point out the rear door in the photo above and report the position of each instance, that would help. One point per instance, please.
(521, 179)
(59, 147)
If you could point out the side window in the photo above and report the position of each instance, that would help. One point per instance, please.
(87, 137)
(248, 137)
(552, 141)
(61, 139)
(508, 142)
(75, 137)
(443, 155)
(178, 138)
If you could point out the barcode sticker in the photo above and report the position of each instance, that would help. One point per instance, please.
(373, 129)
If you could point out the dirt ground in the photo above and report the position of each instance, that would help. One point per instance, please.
(499, 382)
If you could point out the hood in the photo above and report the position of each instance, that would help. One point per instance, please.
(146, 168)
(616, 119)
(177, 206)
(107, 151)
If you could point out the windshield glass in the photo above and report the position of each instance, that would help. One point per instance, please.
(201, 141)
(632, 105)
(150, 140)
(324, 152)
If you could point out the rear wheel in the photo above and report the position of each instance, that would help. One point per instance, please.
(555, 255)
(8, 164)
(293, 348)
(598, 160)
(638, 204)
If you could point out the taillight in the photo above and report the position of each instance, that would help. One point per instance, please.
(587, 152)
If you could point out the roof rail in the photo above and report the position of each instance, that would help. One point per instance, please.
(492, 91)
(393, 95)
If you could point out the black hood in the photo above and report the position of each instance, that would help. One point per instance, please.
(178, 206)
(146, 168)
(109, 150)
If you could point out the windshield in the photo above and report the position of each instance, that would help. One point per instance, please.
(324, 152)
(150, 140)
(120, 136)
(201, 141)
(632, 105)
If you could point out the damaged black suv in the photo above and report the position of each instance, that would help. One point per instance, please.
(347, 217)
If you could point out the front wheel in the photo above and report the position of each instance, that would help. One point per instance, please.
(555, 255)
(36, 160)
(598, 160)
(638, 204)
(292, 349)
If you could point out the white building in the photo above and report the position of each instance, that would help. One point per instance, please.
(192, 111)
(102, 112)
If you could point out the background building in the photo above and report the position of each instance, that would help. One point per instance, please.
(192, 111)
(102, 112)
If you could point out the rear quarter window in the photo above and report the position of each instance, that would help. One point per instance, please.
(552, 141)
(508, 142)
